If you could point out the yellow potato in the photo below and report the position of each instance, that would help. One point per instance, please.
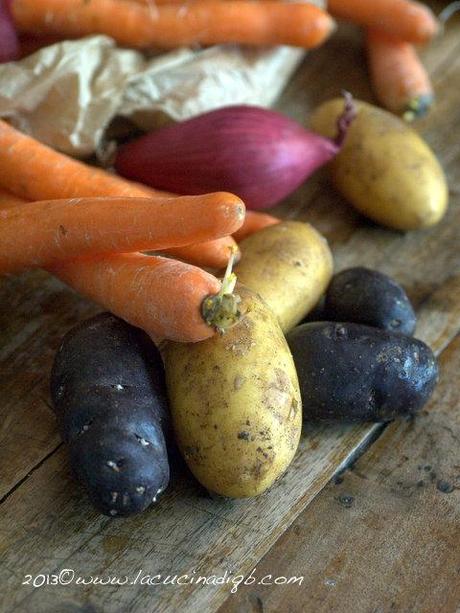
(235, 403)
(385, 169)
(289, 265)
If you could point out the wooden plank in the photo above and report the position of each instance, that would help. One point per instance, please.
(385, 536)
(37, 310)
(47, 525)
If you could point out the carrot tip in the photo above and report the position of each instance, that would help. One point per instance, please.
(418, 107)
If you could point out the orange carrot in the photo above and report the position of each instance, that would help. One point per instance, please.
(253, 222)
(160, 295)
(34, 171)
(169, 25)
(404, 19)
(209, 254)
(154, 3)
(40, 234)
(400, 81)
(9, 200)
(201, 254)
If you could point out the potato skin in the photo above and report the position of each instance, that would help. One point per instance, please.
(109, 396)
(235, 403)
(365, 296)
(351, 372)
(385, 169)
(290, 265)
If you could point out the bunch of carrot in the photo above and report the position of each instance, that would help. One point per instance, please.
(171, 23)
(393, 27)
(88, 227)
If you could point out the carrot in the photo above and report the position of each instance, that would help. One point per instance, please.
(160, 295)
(9, 200)
(41, 234)
(34, 171)
(404, 19)
(169, 25)
(209, 254)
(201, 254)
(154, 3)
(253, 222)
(400, 81)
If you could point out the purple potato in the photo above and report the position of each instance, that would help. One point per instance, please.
(369, 297)
(109, 395)
(350, 372)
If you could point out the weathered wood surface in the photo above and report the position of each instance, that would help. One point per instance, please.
(385, 535)
(46, 523)
(35, 310)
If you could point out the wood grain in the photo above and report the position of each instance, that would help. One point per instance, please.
(46, 523)
(36, 310)
(384, 536)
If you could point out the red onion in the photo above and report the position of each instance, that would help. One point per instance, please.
(258, 154)
(9, 44)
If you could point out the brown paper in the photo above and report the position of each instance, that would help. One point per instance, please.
(67, 94)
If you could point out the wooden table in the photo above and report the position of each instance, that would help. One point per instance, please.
(368, 515)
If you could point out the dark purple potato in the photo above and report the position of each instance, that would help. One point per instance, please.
(109, 395)
(365, 296)
(350, 372)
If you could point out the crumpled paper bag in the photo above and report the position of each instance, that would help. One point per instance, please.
(67, 94)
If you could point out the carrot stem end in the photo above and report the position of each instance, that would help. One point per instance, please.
(221, 310)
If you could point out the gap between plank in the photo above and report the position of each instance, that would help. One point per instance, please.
(29, 474)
